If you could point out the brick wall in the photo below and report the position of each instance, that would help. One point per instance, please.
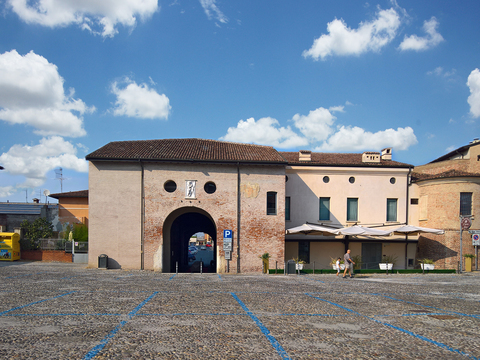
(440, 209)
(46, 255)
(259, 232)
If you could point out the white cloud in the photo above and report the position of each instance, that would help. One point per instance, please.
(349, 138)
(210, 7)
(7, 191)
(265, 131)
(31, 93)
(474, 98)
(342, 40)
(417, 43)
(34, 162)
(317, 125)
(104, 14)
(140, 101)
(318, 132)
(439, 71)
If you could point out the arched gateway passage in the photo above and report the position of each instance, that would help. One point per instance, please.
(183, 226)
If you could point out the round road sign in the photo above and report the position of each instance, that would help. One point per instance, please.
(466, 223)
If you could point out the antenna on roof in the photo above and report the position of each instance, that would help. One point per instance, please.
(59, 176)
(46, 193)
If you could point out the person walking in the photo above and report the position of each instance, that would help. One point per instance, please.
(348, 264)
(337, 264)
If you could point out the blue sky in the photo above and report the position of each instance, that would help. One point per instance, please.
(328, 76)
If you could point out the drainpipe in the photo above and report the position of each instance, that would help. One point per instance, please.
(142, 220)
(239, 198)
(407, 213)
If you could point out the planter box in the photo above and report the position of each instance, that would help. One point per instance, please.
(427, 266)
(468, 264)
(298, 266)
(342, 267)
(385, 266)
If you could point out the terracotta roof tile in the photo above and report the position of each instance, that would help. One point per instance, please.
(186, 149)
(416, 177)
(70, 194)
(338, 159)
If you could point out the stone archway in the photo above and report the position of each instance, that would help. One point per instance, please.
(183, 223)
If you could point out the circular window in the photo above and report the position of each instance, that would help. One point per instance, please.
(170, 186)
(392, 180)
(210, 187)
(351, 180)
(326, 179)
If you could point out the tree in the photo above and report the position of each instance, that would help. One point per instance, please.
(79, 232)
(40, 228)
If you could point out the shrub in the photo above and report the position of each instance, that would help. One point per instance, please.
(41, 228)
(426, 261)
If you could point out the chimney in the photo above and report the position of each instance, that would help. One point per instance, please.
(305, 155)
(371, 157)
(387, 154)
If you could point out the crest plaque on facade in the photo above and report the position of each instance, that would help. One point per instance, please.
(190, 189)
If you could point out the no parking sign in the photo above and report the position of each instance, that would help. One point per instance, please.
(476, 239)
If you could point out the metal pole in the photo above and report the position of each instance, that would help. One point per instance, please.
(461, 246)
(476, 257)
(276, 267)
(201, 267)
(314, 268)
(176, 267)
(285, 272)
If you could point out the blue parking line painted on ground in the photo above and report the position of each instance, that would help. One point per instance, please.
(220, 277)
(421, 337)
(35, 302)
(92, 353)
(64, 314)
(17, 276)
(430, 307)
(172, 277)
(415, 314)
(123, 277)
(142, 304)
(276, 345)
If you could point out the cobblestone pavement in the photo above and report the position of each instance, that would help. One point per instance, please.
(64, 311)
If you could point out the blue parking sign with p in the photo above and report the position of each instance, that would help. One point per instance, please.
(227, 234)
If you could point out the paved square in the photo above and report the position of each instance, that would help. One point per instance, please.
(60, 311)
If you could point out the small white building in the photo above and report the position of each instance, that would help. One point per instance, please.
(342, 190)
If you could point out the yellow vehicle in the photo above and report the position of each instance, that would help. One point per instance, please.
(9, 246)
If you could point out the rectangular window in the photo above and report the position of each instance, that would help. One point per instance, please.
(304, 251)
(287, 208)
(465, 203)
(324, 208)
(271, 203)
(352, 209)
(391, 209)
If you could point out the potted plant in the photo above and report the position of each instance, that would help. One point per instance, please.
(299, 263)
(427, 264)
(357, 259)
(333, 262)
(265, 262)
(468, 261)
(388, 262)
